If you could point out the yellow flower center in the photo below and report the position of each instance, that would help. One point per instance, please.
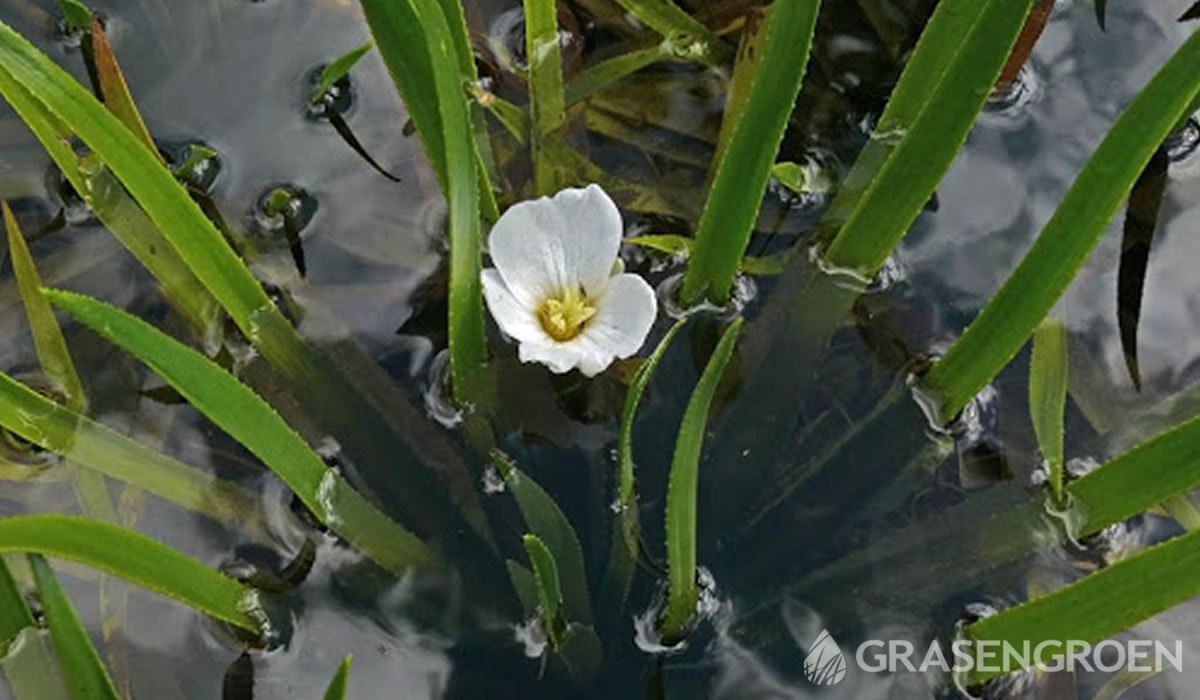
(565, 316)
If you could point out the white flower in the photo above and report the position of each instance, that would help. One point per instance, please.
(557, 287)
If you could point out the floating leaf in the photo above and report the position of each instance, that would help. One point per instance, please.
(86, 677)
(682, 590)
(1141, 221)
(1048, 397)
(1008, 319)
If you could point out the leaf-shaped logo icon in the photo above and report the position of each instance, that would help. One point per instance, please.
(824, 664)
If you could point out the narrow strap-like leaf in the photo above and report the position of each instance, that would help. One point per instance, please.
(237, 410)
(549, 592)
(683, 490)
(340, 682)
(133, 557)
(1100, 604)
(1008, 319)
(741, 174)
(1141, 221)
(84, 672)
(546, 520)
(1048, 397)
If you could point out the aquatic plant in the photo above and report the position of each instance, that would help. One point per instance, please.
(559, 290)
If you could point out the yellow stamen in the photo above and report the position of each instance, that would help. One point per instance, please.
(565, 316)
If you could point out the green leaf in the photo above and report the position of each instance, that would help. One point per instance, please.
(247, 418)
(116, 210)
(802, 179)
(1048, 397)
(340, 682)
(14, 614)
(1101, 604)
(669, 20)
(418, 47)
(48, 339)
(682, 591)
(523, 585)
(77, 15)
(961, 70)
(1134, 481)
(549, 592)
(624, 550)
(338, 69)
(30, 668)
(135, 558)
(1008, 319)
(741, 174)
(664, 243)
(546, 102)
(607, 73)
(55, 360)
(86, 677)
(114, 88)
(61, 431)
(168, 205)
(751, 49)
(546, 520)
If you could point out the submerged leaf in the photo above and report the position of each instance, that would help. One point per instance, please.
(546, 520)
(1141, 221)
(549, 592)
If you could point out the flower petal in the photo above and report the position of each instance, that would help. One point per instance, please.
(514, 318)
(623, 319)
(559, 357)
(593, 234)
(544, 246)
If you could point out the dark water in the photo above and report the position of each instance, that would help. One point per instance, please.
(857, 518)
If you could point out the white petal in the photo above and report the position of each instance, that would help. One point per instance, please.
(559, 357)
(544, 246)
(623, 319)
(514, 318)
(593, 234)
